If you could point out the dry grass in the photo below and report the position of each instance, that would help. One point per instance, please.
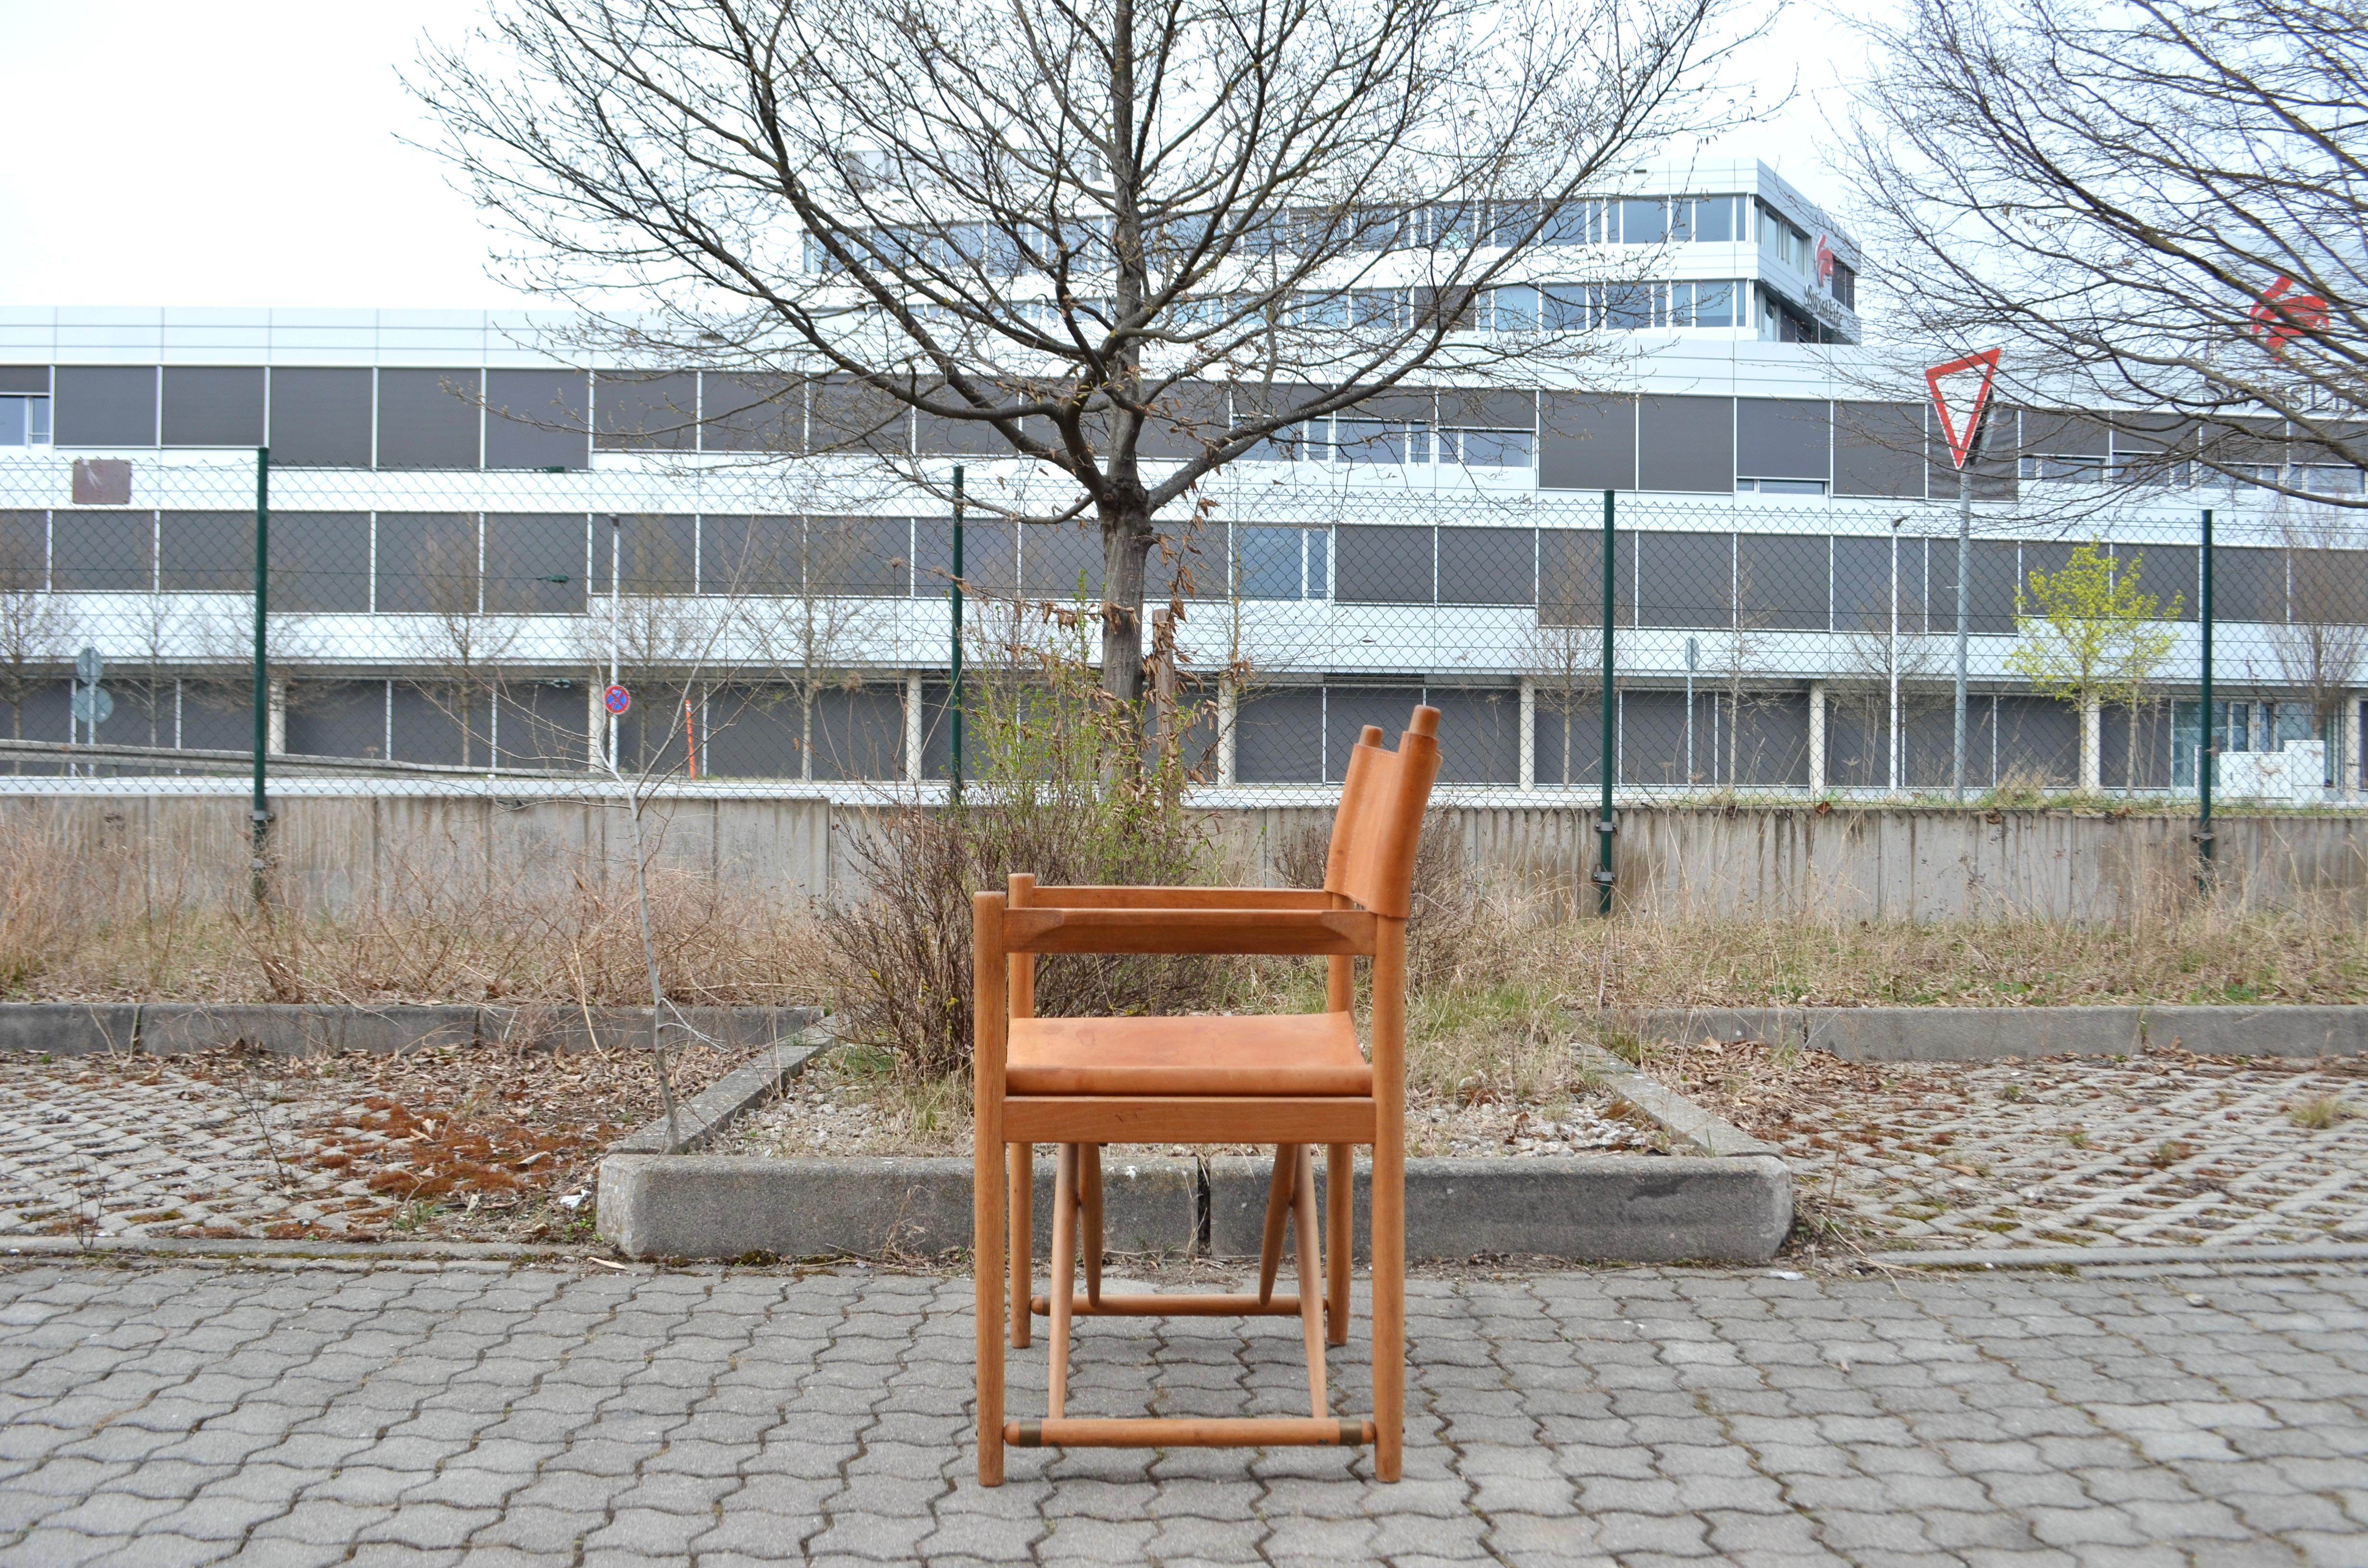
(2321, 1112)
(103, 925)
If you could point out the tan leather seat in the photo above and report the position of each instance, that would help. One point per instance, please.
(1285, 1053)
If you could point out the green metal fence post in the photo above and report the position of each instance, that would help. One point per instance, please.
(955, 693)
(2206, 747)
(1604, 827)
(259, 810)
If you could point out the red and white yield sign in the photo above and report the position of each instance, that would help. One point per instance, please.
(1961, 391)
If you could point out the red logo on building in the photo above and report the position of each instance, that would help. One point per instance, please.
(2281, 315)
(1825, 260)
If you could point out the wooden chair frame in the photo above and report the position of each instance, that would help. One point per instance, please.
(1360, 912)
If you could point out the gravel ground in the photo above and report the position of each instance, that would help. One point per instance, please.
(828, 1111)
(2165, 1148)
(475, 1144)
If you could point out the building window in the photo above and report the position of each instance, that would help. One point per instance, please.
(1282, 564)
(1487, 448)
(1845, 286)
(1779, 487)
(24, 421)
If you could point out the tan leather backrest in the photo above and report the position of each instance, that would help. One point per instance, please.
(1382, 797)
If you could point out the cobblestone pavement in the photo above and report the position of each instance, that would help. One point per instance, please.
(2160, 1149)
(304, 1415)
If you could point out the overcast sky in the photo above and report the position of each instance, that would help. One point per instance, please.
(177, 154)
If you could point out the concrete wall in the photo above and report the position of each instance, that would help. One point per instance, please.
(337, 852)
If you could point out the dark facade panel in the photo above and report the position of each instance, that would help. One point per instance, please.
(1857, 736)
(1996, 573)
(320, 418)
(753, 732)
(1278, 737)
(1485, 408)
(1570, 577)
(24, 378)
(24, 551)
(1879, 450)
(1348, 708)
(534, 562)
(1479, 734)
(537, 419)
(1570, 737)
(747, 413)
(1587, 443)
(208, 405)
(2248, 585)
(213, 553)
(1782, 582)
(217, 713)
(1770, 746)
(639, 411)
(936, 435)
(654, 552)
(426, 723)
(101, 552)
(2038, 742)
(1685, 579)
(1930, 743)
(1783, 439)
(759, 556)
(1686, 444)
(430, 418)
(859, 734)
(104, 405)
(850, 417)
(319, 561)
(1994, 469)
(337, 718)
(990, 556)
(2164, 570)
(1384, 566)
(1185, 422)
(1862, 585)
(2323, 587)
(1487, 566)
(1061, 560)
(428, 564)
(2150, 745)
(544, 724)
(1654, 736)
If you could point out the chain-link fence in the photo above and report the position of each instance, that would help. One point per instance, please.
(469, 625)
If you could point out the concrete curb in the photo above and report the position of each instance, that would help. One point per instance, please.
(177, 1028)
(2131, 1257)
(1672, 1111)
(725, 1206)
(1633, 1209)
(1985, 1034)
(706, 1114)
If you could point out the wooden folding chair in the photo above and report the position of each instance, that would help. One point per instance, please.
(1293, 1080)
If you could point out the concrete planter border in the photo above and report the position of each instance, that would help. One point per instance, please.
(1620, 1207)
(177, 1028)
(1987, 1034)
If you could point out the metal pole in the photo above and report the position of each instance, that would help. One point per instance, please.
(954, 659)
(2207, 747)
(1965, 600)
(1892, 723)
(258, 814)
(616, 566)
(1693, 656)
(1604, 827)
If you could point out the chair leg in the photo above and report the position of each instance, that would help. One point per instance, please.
(1389, 1308)
(1278, 1205)
(1339, 1227)
(1064, 1258)
(1311, 1270)
(1020, 1182)
(1089, 1229)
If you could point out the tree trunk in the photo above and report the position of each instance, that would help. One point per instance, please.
(1127, 540)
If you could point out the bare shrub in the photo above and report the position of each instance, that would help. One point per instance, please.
(1059, 789)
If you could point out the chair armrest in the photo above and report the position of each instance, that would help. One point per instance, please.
(1285, 932)
(1178, 898)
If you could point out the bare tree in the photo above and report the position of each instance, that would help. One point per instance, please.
(459, 647)
(1063, 233)
(2153, 204)
(36, 628)
(1888, 674)
(1564, 658)
(2322, 644)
